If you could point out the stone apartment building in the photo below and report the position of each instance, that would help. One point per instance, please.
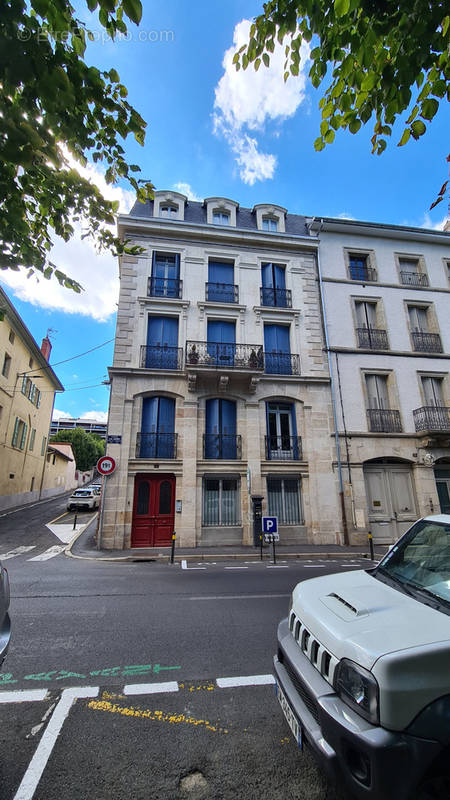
(220, 388)
(386, 295)
(27, 390)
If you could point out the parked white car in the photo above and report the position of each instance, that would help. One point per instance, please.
(363, 669)
(5, 622)
(83, 498)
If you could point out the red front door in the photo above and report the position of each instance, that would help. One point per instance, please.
(153, 511)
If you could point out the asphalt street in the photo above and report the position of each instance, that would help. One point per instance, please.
(117, 683)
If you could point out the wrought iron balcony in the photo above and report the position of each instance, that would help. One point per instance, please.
(281, 364)
(161, 357)
(372, 338)
(276, 298)
(434, 419)
(230, 356)
(413, 278)
(284, 448)
(426, 342)
(156, 445)
(361, 273)
(164, 287)
(222, 292)
(384, 420)
(222, 446)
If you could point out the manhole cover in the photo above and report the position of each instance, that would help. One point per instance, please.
(194, 783)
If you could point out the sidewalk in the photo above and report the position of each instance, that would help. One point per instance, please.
(83, 546)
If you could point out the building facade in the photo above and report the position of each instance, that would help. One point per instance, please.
(27, 390)
(70, 423)
(386, 297)
(220, 389)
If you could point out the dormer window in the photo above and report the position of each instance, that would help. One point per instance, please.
(168, 211)
(269, 224)
(221, 217)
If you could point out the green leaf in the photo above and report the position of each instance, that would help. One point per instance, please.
(319, 144)
(114, 76)
(341, 7)
(418, 128)
(429, 108)
(266, 59)
(405, 137)
(133, 10)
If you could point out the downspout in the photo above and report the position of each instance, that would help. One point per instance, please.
(333, 395)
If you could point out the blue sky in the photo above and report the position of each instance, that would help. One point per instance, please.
(217, 132)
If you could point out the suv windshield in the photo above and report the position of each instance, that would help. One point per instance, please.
(421, 561)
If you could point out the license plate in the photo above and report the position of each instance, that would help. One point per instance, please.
(291, 719)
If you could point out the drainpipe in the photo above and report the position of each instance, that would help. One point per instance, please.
(333, 396)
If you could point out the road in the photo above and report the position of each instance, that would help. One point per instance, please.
(145, 680)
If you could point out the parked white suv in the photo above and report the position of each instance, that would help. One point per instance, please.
(83, 498)
(363, 669)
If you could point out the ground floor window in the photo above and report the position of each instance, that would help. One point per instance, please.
(284, 500)
(220, 501)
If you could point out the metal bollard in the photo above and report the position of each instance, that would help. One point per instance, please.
(369, 536)
(273, 550)
(74, 522)
(174, 536)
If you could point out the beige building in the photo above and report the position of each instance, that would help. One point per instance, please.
(386, 294)
(60, 470)
(27, 389)
(220, 389)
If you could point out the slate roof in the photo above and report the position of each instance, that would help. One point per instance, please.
(195, 212)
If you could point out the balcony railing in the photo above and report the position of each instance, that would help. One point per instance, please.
(432, 418)
(281, 364)
(426, 342)
(222, 446)
(384, 420)
(222, 292)
(219, 354)
(164, 287)
(284, 448)
(276, 298)
(156, 445)
(161, 357)
(363, 274)
(372, 338)
(413, 278)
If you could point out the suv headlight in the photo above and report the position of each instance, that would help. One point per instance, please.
(358, 688)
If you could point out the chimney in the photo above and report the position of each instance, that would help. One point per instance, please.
(46, 347)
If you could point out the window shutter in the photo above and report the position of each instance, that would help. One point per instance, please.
(24, 436)
(16, 432)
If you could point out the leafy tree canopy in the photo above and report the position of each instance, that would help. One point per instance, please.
(52, 103)
(87, 447)
(380, 58)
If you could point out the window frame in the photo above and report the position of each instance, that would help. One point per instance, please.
(223, 214)
(271, 510)
(7, 359)
(237, 508)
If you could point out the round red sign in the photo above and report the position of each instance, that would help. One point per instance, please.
(106, 465)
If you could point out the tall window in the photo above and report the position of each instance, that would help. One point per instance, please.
(369, 335)
(221, 342)
(161, 351)
(282, 441)
(411, 273)
(19, 434)
(273, 291)
(6, 365)
(220, 286)
(432, 391)
(358, 264)
(157, 438)
(220, 502)
(221, 218)
(165, 280)
(277, 351)
(418, 319)
(382, 419)
(220, 429)
(377, 391)
(284, 502)
(32, 438)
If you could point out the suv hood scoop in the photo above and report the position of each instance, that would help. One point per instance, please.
(347, 605)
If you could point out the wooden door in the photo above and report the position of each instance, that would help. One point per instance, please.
(153, 511)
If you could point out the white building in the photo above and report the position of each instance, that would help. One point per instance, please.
(386, 293)
(220, 387)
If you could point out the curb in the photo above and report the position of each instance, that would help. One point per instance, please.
(163, 558)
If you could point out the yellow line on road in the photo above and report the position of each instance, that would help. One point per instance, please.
(156, 716)
(52, 521)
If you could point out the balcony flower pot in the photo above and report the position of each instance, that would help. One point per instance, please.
(193, 355)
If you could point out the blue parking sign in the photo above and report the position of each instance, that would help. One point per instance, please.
(270, 524)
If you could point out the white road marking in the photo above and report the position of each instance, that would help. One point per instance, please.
(38, 763)
(25, 696)
(18, 551)
(151, 688)
(235, 567)
(185, 566)
(277, 566)
(314, 566)
(355, 566)
(245, 680)
(240, 596)
(50, 553)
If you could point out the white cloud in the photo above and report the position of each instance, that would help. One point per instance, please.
(97, 272)
(346, 215)
(435, 226)
(248, 100)
(60, 414)
(186, 188)
(97, 416)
